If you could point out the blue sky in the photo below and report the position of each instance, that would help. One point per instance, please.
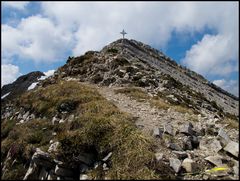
(202, 36)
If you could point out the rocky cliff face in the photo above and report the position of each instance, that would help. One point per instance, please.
(126, 112)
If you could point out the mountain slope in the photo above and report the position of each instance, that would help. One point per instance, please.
(131, 62)
(126, 112)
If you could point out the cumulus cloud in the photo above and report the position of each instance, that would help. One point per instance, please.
(9, 73)
(214, 54)
(228, 85)
(35, 38)
(20, 5)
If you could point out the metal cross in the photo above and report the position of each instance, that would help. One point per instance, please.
(123, 33)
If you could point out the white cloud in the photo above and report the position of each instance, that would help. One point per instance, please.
(35, 38)
(213, 55)
(9, 73)
(228, 85)
(20, 5)
(82, 26)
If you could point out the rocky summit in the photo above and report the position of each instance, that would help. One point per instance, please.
(125, 112)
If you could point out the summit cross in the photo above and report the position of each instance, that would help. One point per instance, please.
(123, 33)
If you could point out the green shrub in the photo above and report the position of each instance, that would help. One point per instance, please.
(112, 50)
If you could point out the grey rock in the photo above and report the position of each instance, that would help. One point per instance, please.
(223, 136)
(216, 160)
(53, 147)
(107, 157)
(157, 132)
(174, 146)
(168, 129)
(187, 129)
(63, 171)
(175, 164)
(105, 167)
(236, 170)
(233, 148)
(43, 159)
(158, 156)
(55, 120)
(180, 154)
(83, 177)
(25, 115)
(210, 144)
(189, 165)
(187, 143)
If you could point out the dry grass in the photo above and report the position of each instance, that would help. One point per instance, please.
(232, 123)
(134, 92)
(159, 104)
(99, 126)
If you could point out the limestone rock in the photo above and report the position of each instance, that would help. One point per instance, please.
(233, 148)
(187, 129)
(157, 132)
(168, 129)
(216, 160)
(189, 165)
(223, 136)
(210, 145)
(175, 164)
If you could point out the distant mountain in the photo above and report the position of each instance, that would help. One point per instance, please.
(20, 85)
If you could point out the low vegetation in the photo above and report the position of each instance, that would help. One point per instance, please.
(98, 127)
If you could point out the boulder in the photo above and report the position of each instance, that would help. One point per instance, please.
(224, 138)
(210, 145)
(65, 172)
(233, 148)
(189, 165)
(157, 132)
(216, 160)
(168, 129)
(43, 159)
(175, 164)
(187, 129)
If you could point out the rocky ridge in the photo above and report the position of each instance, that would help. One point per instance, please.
(187, 144)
